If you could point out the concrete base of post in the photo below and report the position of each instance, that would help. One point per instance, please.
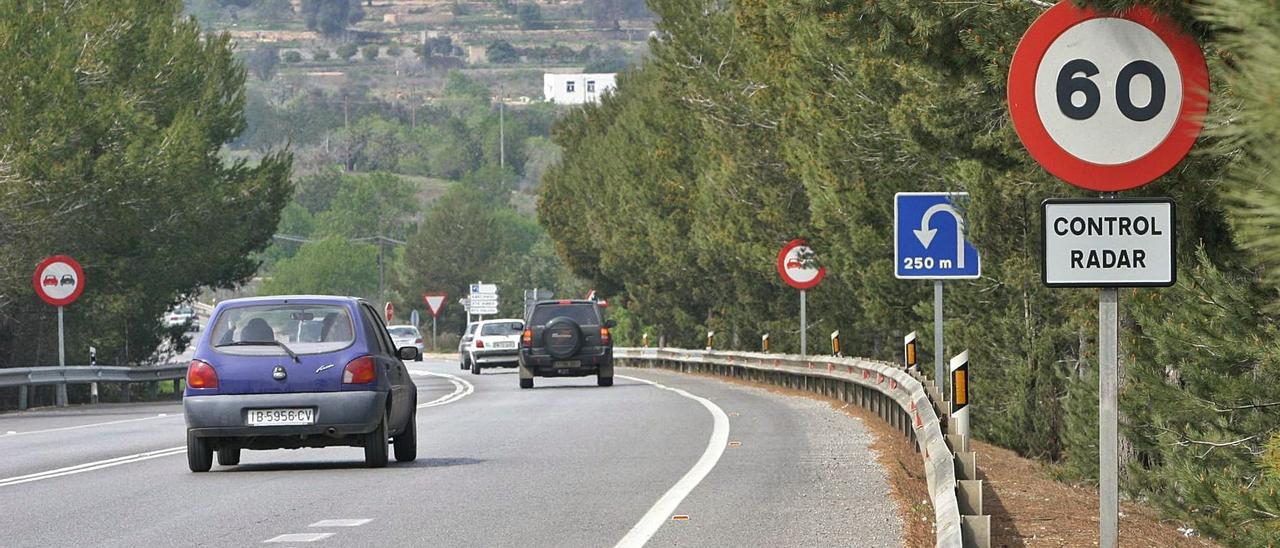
(969, 495)
(976, 531)
(966, 465)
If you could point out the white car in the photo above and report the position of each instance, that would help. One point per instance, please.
(180, 316)
(496, 343)
(407, 335)
(464, 345)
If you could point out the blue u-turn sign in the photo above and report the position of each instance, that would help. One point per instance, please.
(928, 241)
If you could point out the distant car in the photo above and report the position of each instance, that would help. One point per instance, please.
(68, 279)
(794, 263)
(566, 339)
(495, 344)
(407, 335)
(464, 345)
(254, 385)
(182, 315)
(49, 281)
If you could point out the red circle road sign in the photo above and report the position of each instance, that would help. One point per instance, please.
(1107, 102)
(58, 280)
(389, 311)
(793, 266)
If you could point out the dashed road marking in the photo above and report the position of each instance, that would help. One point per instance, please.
(341, 522)
(658, 514)
(299, 537)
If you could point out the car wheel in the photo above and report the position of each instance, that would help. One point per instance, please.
(199, 453)
(464, 364)
(375, 446)
(604, 381)
(406, 443)
(229, 456)
(526, 383)
(475, 368)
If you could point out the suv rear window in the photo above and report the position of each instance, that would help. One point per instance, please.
(501, 328)
(582, 313)
(305, 328)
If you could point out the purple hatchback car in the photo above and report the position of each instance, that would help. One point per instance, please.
(298, 371)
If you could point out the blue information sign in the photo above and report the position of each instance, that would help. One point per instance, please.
(928, 241)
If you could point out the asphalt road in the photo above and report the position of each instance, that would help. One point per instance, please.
(565, 464)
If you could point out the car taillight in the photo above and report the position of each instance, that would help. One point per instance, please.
(417, 341)
(201, 375)
(604, 335)
(479, 343)
(359, 371)
(526, 338)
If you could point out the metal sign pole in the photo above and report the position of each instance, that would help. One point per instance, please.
(804, 328)
(939, 374)
(1108, 418)
(62, 361)
(434, 347)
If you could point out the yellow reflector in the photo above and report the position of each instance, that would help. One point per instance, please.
(960, 382)
(911, 354)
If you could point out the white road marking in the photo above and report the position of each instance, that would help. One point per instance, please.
(341, 522)
(461, 389)
(91, 466)
(662, 510)
(11, 434)
(299, 537)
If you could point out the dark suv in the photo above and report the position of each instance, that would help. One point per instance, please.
(566, 339)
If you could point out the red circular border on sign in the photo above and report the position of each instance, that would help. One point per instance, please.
(80, 281)
(1088, 175)
(782, 270)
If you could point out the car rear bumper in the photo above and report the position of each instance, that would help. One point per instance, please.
(338, 414)
(590, 361)
(496, 356)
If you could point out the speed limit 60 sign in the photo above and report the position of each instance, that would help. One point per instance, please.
(1107, 102)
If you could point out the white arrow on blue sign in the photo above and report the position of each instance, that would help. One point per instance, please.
(928, 241)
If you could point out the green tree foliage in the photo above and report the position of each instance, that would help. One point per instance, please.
(273, 11)
(757, 122)
(394, 50)
(320, 55)
(501, 51)
(331, 17)
(330, 266)
(369, 52)
(347, 51)
(530, 17)
(263, 61)
(292, 56)
(111, 129)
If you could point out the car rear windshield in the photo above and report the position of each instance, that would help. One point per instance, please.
(305, 328)
(501, 328)
(582, 314)
(403, 332)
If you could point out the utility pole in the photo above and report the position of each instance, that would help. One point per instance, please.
(502, 131)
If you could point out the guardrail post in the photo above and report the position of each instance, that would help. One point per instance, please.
(22, 397)
(153, 390)
(124, 392)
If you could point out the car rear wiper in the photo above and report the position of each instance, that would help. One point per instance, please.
(262, 343)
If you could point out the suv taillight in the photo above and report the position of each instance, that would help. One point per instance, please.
(527, 338)
(479, 343)
(359, 371)
(604, 335)
(417, 340)
(201, 375)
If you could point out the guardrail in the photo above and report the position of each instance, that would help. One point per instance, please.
(902, 398)
(25, 377)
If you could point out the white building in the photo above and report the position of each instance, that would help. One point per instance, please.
(576, 89)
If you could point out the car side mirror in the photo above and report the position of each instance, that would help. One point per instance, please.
(408, 353)
(610, 324)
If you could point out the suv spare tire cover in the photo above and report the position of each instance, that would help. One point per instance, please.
(562, 337)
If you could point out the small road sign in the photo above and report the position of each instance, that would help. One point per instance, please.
(1109, 242)
(929, 241)
(389, 311)
(796, 266)
(478, 288)
(58, 280)
(1107, 102)
(414, 319)
(434, 302)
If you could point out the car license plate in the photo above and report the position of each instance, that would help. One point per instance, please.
(570, 363)
(507, 344)
(281, 417)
